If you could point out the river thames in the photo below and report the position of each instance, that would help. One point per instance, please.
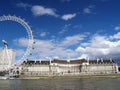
(62, 84)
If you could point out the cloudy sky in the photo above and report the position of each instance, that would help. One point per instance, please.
(64, 28)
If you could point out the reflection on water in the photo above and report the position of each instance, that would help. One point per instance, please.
(62, 84)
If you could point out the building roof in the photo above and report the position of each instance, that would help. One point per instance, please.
(101, 61)
(69, 61)
(77, 61)
(36, 62)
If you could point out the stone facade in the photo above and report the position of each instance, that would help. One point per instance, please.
(71, 67)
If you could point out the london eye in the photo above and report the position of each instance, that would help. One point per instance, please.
(8, 22)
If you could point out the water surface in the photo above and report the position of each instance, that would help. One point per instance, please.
(62, 84)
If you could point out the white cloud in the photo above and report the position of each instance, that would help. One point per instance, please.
(0, 48)
(80, 49)
(63, 31)
(19, 53)
(115, 36)
(83, 56)
(65, 28)
(96, 46)
(23, 5)
(100, 46)
(21, 42)
(43, 34)
(68, 16)
(38, 10)
(51, 48)
(88, 10)
(78, 26)
(117, 28)
(72, 40)
(48, 48)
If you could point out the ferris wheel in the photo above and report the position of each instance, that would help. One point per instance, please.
(25, 25)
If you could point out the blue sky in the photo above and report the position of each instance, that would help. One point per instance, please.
(64, 28)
